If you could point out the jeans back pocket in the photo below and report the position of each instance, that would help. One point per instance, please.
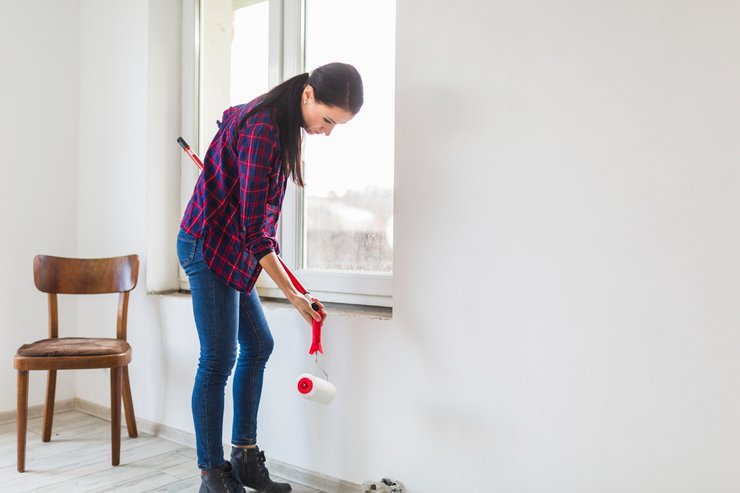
(187, 246)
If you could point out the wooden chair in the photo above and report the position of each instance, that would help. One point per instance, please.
(57, 275)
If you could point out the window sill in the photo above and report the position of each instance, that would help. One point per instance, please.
(340, 309)
(335, 309)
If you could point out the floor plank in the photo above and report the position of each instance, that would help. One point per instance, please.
(78, 460)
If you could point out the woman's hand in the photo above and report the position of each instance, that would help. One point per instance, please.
(277, 273)
(303, 305)
(322, 309)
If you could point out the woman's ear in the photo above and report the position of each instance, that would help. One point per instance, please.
(307, 93)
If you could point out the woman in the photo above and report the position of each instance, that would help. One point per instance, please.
(227, 236)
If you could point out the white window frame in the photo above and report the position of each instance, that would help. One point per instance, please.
(190, 88)
(286, 59)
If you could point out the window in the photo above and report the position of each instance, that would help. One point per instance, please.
(337, 233)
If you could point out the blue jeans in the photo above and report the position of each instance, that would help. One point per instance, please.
(223, 317)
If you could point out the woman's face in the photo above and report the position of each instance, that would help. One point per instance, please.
(319, 118)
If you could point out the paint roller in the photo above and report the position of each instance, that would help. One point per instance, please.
(309, 386)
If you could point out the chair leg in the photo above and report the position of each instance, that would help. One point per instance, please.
(115, 414)
(128, 405)
(21, 418)
(51, 386)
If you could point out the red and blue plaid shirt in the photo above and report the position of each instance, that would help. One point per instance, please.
(236, 203)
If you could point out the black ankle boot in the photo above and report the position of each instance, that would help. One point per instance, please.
(249, 468)
(220, 480)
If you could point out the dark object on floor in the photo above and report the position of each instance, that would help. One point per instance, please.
(385, 485)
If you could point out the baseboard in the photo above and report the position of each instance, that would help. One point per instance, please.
(290, 472)
(311, 479)
(38, 411)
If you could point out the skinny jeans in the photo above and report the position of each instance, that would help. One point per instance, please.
(227, 320)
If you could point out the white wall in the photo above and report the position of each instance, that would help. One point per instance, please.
(567, 182)
(112, 158)
(566, 267)
(39, 107)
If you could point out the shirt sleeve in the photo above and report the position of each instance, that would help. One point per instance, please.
(257, 156)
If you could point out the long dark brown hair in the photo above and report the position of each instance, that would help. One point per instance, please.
(334, 84)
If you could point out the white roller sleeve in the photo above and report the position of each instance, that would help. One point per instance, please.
(315, 389)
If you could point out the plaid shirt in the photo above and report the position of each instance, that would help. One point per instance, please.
(236, 203)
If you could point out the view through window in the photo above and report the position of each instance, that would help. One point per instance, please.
(348, 210)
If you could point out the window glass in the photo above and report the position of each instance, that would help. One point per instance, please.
(348, 200)
(234, 62)
(249, 53)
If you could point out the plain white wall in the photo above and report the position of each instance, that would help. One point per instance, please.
(39, 107)
(113, 155)
(566, 268)
(567, 183)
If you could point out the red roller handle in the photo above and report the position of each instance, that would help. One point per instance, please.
(190, 152)
(296, 283)
(315, 324)
(316, 337)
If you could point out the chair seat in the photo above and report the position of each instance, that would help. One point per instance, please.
(74, 346)
(72, 353)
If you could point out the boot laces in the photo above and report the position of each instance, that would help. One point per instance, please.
(229, 481)
(261, 464)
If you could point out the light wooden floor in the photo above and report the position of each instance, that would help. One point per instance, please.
(78, 460)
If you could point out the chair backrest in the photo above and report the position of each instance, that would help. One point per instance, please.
(60, 275)
(85, 276)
